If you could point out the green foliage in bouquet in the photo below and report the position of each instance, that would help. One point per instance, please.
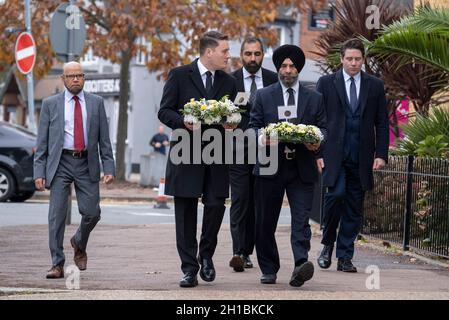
(211, 111)
(293, 133)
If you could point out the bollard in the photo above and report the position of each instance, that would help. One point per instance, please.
(161, 199)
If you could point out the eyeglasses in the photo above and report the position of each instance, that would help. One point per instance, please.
(73, 76)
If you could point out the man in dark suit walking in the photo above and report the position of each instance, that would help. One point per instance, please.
(357, 123)
(249, 78)
(297, 167)
(203, 78)
(73, 135)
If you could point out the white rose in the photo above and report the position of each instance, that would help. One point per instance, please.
(191, 119)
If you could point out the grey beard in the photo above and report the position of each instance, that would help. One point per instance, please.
(289, 83)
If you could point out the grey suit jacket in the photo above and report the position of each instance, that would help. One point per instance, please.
(50, 138)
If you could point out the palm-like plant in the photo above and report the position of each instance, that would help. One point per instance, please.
(350, 22)
(414, 79)
(425, 133)
(409, 45)
(413, 82)
(425, 19)
(400, 85)
(421, 38)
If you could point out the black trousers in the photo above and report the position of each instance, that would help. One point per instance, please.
(269, 197)
(343, 204)
(242, 213)
(186, 214)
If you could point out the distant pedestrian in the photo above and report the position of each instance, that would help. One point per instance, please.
(160, 141)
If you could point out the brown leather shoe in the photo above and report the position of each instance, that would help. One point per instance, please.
(80, 256)
(237, 263)
(55, 272)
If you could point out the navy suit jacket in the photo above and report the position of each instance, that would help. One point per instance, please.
(374, 131)
(310, 112)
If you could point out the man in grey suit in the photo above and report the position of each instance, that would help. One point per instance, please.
(73, 134)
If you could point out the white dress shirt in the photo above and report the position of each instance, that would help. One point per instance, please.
(247, 81)
(69, 119)
(203, 71)
(357, 79)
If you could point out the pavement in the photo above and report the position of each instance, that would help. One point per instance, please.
(141, 262)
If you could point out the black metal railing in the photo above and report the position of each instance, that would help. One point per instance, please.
(409, 204)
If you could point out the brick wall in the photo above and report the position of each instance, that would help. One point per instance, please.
(307, 37)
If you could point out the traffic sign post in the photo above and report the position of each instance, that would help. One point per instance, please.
(25, 53)
(67, 32)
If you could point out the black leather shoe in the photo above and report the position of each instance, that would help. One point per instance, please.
(325, 258)
(207, 271)
(237, 263)
(268, 279)
(189, 280)
(301, 274)
(247, 263)
(346, 265)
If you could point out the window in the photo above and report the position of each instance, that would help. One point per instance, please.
(319, 20)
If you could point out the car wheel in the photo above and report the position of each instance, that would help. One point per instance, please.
(21, 197)
(7, 185)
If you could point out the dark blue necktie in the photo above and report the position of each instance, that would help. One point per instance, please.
(353, 95)
(209, 84)
(291, 97)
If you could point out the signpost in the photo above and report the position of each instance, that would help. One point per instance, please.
(25, 53)
(67, 32)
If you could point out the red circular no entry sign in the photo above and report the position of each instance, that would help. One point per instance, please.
(25, 52)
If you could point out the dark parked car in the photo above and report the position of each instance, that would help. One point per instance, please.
(17, 147)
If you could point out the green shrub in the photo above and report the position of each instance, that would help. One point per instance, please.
(426, 136)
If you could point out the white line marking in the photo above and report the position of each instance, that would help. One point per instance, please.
(154, 214)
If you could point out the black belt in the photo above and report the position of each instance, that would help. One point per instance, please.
(75, 154)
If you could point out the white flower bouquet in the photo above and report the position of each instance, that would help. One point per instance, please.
(293, 133)
(205, 111)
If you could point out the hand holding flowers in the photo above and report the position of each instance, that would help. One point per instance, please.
(209, 112)
(309, 135)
